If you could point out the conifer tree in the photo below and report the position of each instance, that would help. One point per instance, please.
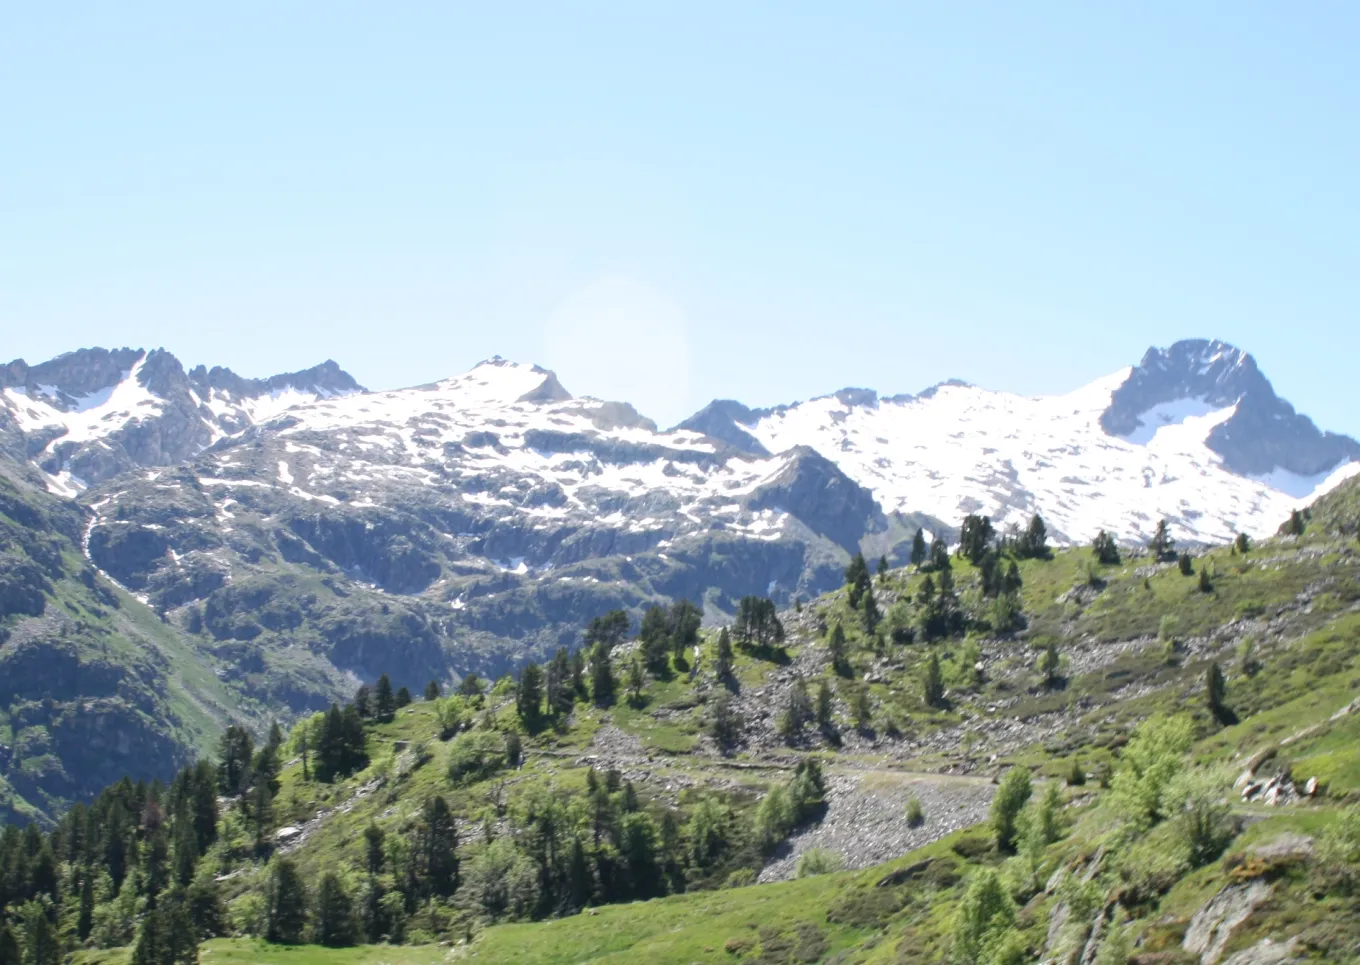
(1205, 584)
(1050, 663)
(918, 548)
(432, 690)
(235, 751)
(655, 639)
(882, 572)
(939, 554)
(869, 612)
(637, 681)
(932, 684)
(403, 698)
(975, 537)
(601, 676)
(384, 700)
(1187, 566)
(840, 650)
(1105, 549)
(824, 705)
(363, 701)
(1242, 544)
(722, 667)
(684, 620)
(1161, 545)
(470, 685)
(285, 904)
(1215, 687)
(529, 697)
(1034, 542)
(334, 913)
(856, 579)
(437, 847)
(861, 709)
(1294, 525)
(9, 945)
(726, 726)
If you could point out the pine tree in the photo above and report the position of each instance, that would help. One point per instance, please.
(9, 945)
(85, 917)
(861, 709)
(726, 726)
(722, 667)
(918, 548)
(363, 700)
(655, 639)
(42, 944)
(1161, 545)
(637, 681)
(403, 698)
(685, 619)
(374, 855)
(1050, 663)
(797, 710)
(384, 701)
(1205, 584)
(1187, 566)
(432, 690)
(1215, 687)
(1105, 549)
(601, 676)
(529, 697)
(975, 537)
(437, 847)
(1034, 542)
(235, 750)
(1294, 525)
(882, 571)
(932, 685)
(824, 706)
(285, 904)
(939, 554)
(1242, 544)
(1011, 582)
(470, 685)
(334, 913)
(869, 612)
(1011, 797)
(856, 579)
(840, 651)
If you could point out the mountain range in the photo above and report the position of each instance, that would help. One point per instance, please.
(295, 535)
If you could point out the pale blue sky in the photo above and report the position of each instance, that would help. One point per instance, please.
(671, 202)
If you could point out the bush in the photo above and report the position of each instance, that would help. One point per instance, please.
(1150, 761)
(1202, 817)
(1010, 799)
(819, 861)
(916, 815)
(1076, 776)
(476, 755)
(984, 921)
(1337, 866)
(740, 878)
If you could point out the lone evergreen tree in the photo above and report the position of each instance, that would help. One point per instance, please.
(655, 639)
(918, 548)
(1050, 663)
(840, 651)
(723, 665)
(1294, 525)
(384, 700)
(437, 847)
(882, 571)
(726, 726)
(861, 709)
(1034, 541)
(637, 681)
(403, 698)
(1161, 545)
(432, 690)
(975, 537)
(1242, 544)
(1215, 688)
(825, 704)
(856, 579)
(1205, 584)
(1187, 566)
(932, 685)
(1105, 549)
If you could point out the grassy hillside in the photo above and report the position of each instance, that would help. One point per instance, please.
(1182, 729)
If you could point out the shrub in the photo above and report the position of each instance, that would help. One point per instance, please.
(983, 921)
(916, 815)
(476, 755)
(1010, 799)
(1149, 762)
(819, 861)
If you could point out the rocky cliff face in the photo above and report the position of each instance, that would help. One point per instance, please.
(1260, 435)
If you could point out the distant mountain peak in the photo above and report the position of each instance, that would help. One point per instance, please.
(1263, 435)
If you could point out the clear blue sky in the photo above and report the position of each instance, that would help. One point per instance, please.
(671, 202)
